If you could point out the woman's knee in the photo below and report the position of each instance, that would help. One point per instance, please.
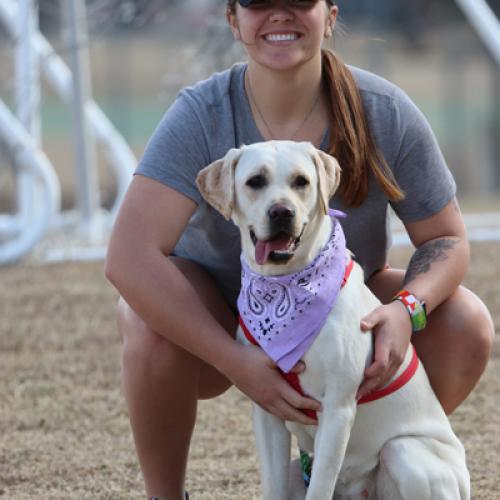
(464, 325)
(475, 325)
(144, 349)
(148, 356)
(132, 329)
(455, 347)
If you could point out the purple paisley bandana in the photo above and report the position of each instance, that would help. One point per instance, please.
(285, 313)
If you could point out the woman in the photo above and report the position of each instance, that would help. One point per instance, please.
(175, 261)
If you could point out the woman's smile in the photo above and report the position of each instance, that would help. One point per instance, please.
(279, 37)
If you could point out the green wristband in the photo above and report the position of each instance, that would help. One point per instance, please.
(415, 307)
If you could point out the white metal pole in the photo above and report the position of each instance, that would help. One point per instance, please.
(86, 160)
(27, 103)
(28, 157)
(486, 24)
(27, 71)
(118, 153)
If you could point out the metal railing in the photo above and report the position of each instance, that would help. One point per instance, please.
(37, 185)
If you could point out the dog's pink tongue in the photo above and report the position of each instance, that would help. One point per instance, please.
(264, 248)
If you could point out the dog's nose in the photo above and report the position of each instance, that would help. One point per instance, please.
(279, 211)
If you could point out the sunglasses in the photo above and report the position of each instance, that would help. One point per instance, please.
(263, 4)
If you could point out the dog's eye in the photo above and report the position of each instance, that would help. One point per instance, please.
(256, 182)
(300, 181)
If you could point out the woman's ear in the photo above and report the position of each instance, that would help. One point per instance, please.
(233, 24)
(330, 23)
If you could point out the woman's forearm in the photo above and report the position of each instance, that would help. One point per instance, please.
(437, 268)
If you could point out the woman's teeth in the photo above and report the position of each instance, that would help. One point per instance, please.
(281, 38)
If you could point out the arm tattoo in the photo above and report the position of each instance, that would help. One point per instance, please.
(422, 259)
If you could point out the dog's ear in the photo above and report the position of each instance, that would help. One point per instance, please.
(216, 182)
(328, 170)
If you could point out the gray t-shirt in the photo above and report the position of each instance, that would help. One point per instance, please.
(209, 118)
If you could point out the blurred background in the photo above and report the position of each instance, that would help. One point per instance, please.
(142, 52)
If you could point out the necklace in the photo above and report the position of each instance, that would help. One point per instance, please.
(261, 116)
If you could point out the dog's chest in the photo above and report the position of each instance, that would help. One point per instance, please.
(337, 358)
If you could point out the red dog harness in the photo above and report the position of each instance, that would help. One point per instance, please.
(293, 378)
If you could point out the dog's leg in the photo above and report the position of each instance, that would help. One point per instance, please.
(297, 486)
(330, 443)
(420, 469)
(273, 446)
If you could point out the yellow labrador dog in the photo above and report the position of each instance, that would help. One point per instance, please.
(399, 446)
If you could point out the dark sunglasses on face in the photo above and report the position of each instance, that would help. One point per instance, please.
(302, 4)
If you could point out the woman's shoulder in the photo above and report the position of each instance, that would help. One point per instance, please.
(215, 89)
(380, 96)
(371, 83)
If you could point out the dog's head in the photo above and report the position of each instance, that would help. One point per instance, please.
(276, 192)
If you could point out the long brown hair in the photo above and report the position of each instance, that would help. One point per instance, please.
(351, 141)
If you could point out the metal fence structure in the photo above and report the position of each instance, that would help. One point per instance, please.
(38, 207)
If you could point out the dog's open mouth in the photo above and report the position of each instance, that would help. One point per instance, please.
(279, 249)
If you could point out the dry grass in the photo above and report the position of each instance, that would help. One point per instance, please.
(64, 430)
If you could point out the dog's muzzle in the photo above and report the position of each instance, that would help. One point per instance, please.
(281, 245)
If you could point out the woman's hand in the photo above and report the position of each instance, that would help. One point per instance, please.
(257, 376)
(392, 329)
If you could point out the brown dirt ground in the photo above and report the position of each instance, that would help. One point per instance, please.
(64, 431)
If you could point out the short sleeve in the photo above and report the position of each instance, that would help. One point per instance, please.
(178, 149)
(419, 167)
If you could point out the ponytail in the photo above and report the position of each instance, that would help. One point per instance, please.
(350, 139)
